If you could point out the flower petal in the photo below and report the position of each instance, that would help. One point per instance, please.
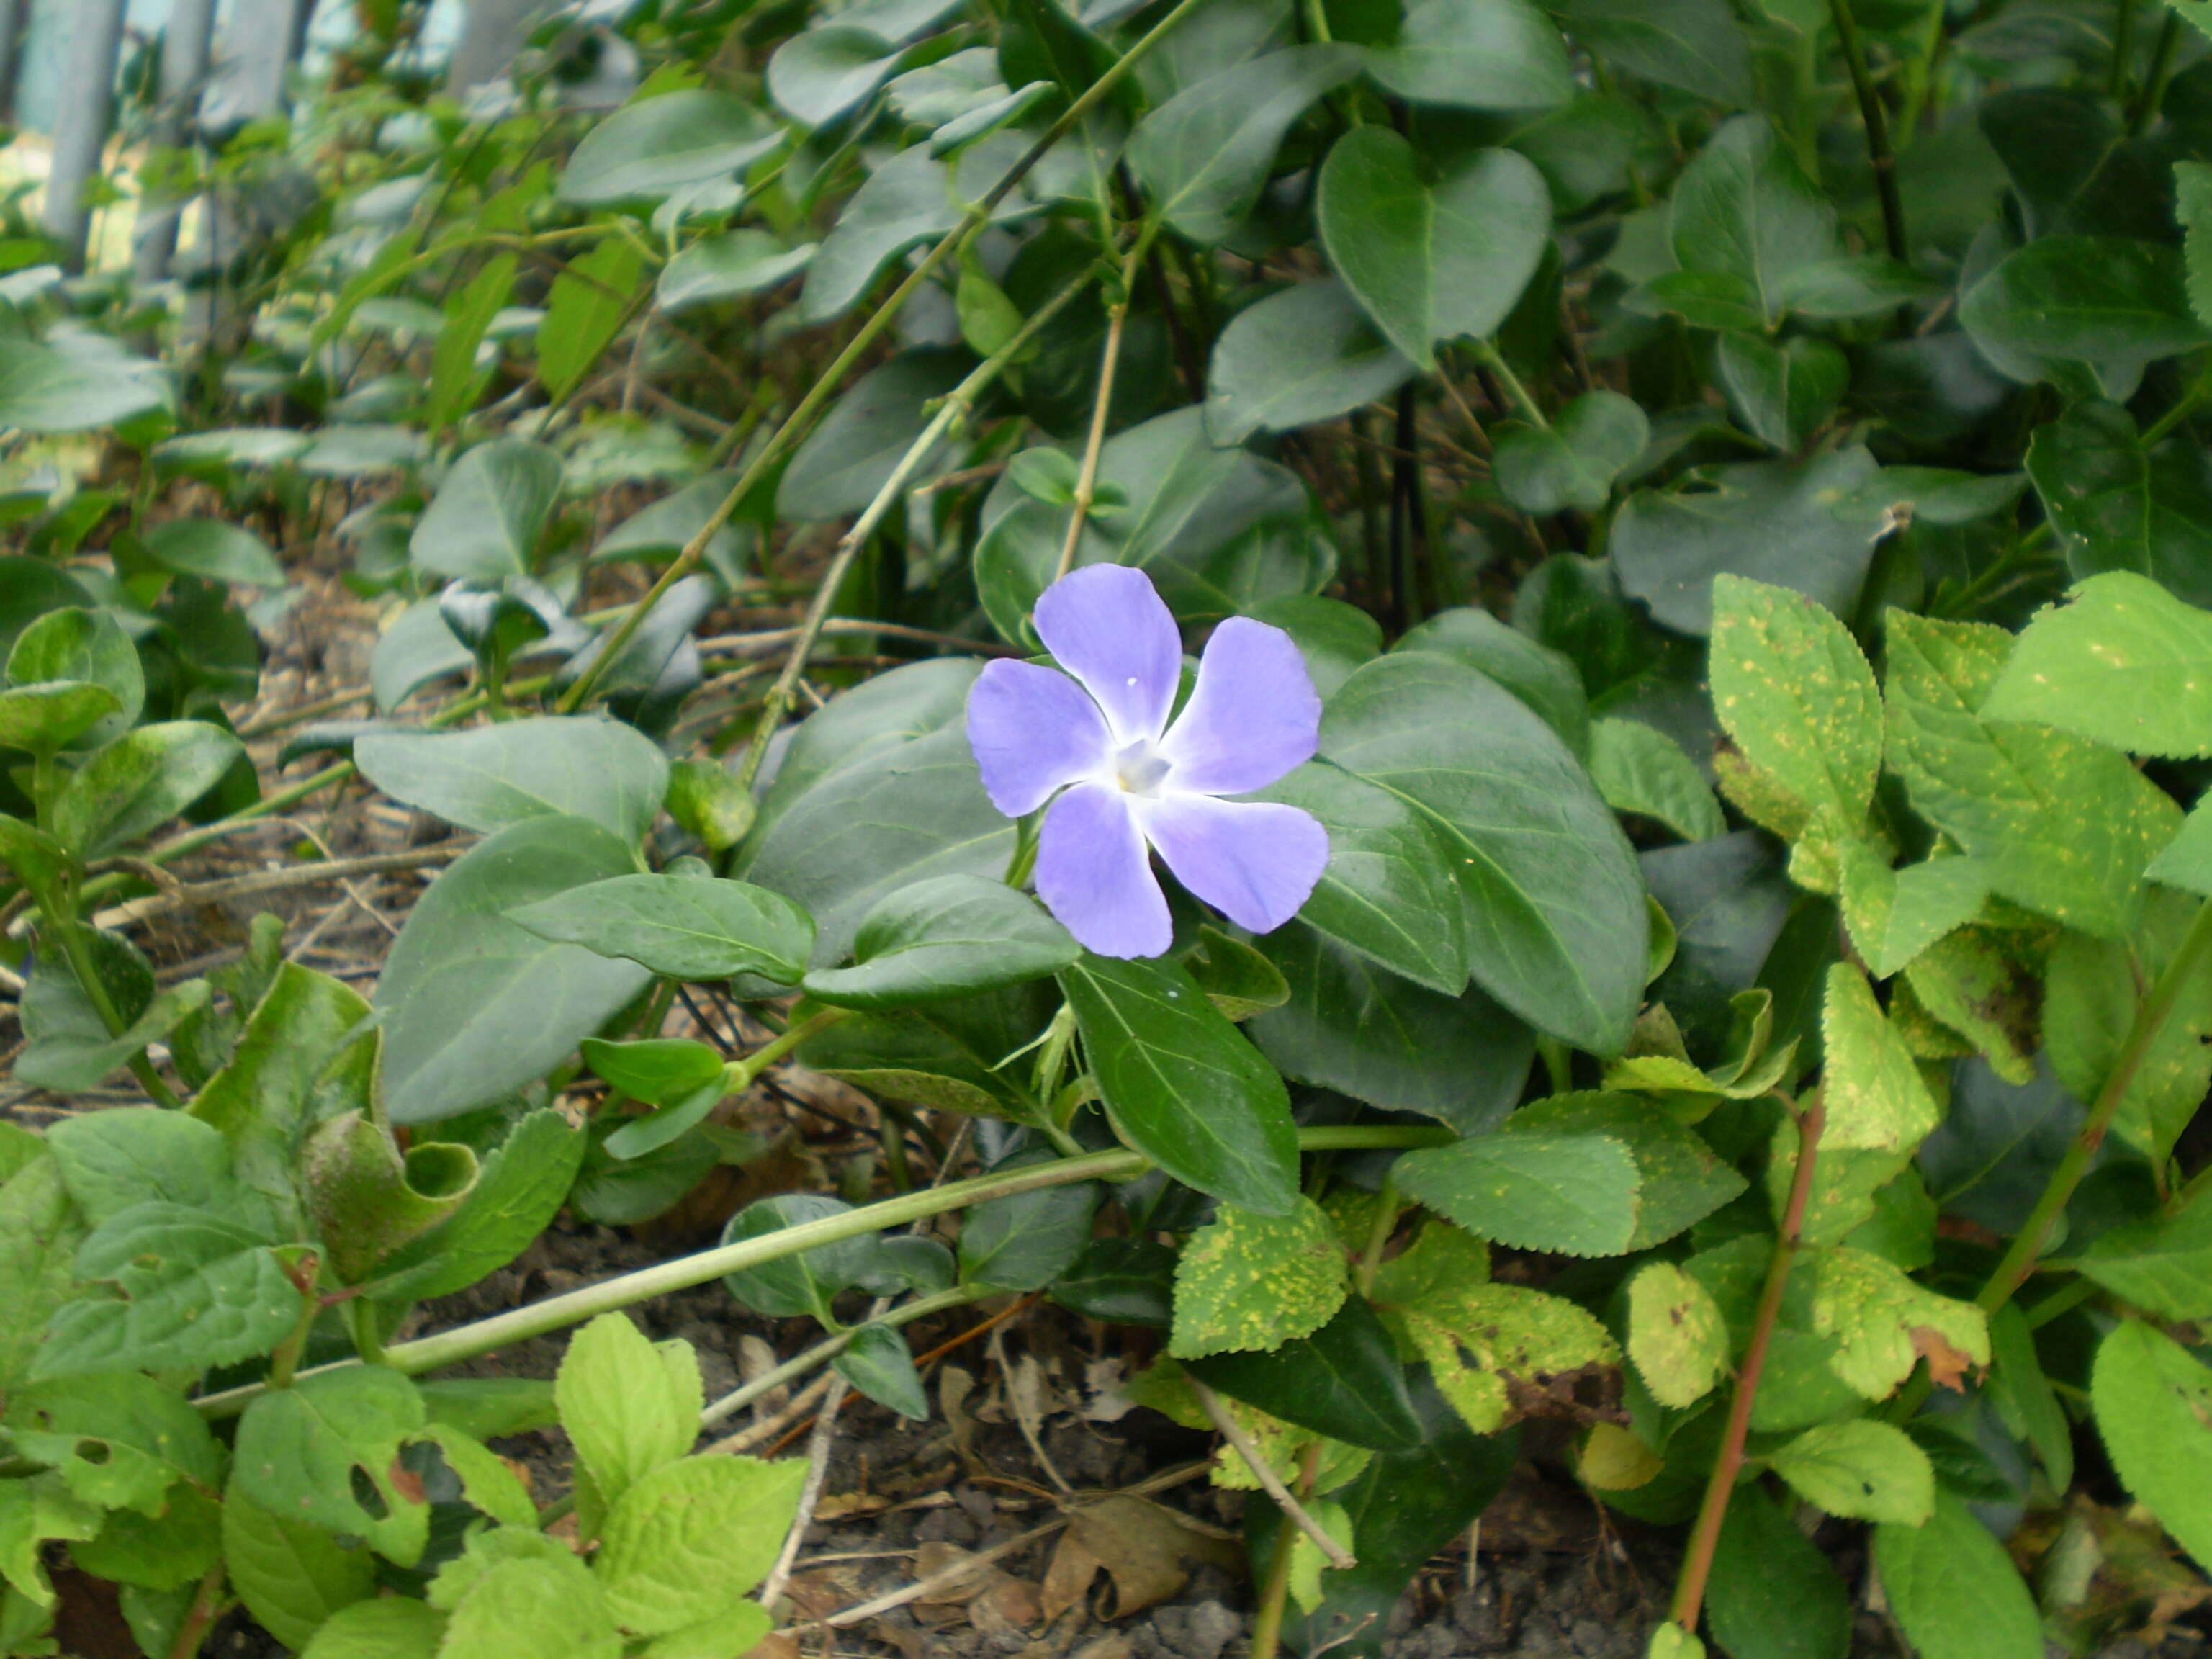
(1254, 861)
(1253, 715)
(1033, 729)
(1106, 625)
(1092, 874)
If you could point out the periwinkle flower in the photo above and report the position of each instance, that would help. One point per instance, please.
(1125, 780)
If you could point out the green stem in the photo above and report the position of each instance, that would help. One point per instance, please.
(1920, 72)
(1876, 120)
(626, 1289)
(958, 405)
(1386, 1221)
(284, 1364)
(2146, 107)
(200, 1617)
(2123, 43)
(1494, 360)
(2183, 407)
(1086, 479)
(1704, 1536)
(802, 418)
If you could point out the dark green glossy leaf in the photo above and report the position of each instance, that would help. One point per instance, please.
(1782, 393)
(808, 1281)
(1696, 46)
(2119, 506)
(139, 781)
(657, 146)
(215, 550)
(2084, 299)
(1744, 208)
(849, 456)
(1540, 677)
(1475, 54)
(1573, 462)
(1345, 1380)
(1026, 1241)
(951, 936)
(655, 1069)
(508, 773)
(73, 643)
(1307, 353)
(878, 1362)
(1120, 1281)
(680, 927)
(485, 520)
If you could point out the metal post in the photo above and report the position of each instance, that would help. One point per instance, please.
(88, 105)
(184, 67)
(11, 39)
(491, 35)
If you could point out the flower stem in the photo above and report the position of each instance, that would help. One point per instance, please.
(1697, 1563)
(626, 1289)
(801, 419)
(1086, 480)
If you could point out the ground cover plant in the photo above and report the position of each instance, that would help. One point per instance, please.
(1643, 568)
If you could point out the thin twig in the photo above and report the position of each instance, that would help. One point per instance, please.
(1271, 1483)
(1110, 360)
(273, 881)
(817, 1475)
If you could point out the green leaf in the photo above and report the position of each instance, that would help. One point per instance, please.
(2061, 826)
(1354, 1027)
(2123, 663)
(67, 1061)
(2083, 299)
(1203, 155)
(391, 1627)
(130, 1155)
(138, 782)
(1883, 1323)
(39, 1233)
(730, 266)
(368, 1199)
(490, 1407)
(1696, 46)
(951, 1055)
(741, 1629)
(1954, 1590)
(1344, 1382)
(823, 72)
(1792, 688)
(1181, 1084)
(291, 1575)
(1675, 1335)
(1545, 679)
(1256, 1281)
(951, 936)
(1782, 393)
(1492, 55)
(1895, 914)
(805, 1282)
(629, 1405)
(1808, 527)
(1861, 1470)
(43, 719)
(1855, 286)
(2118, 507)
(196, 1290)
(489, 511)
(455, 380)
(693, 1537)
(1878, 1110)
(1303, 354)
(2153, 1407)
(878, 1362)
(2093, 990)
(1432, 259)
(2161, 1263)
(165, 1551)
(1120, 1281)
(1573, 461)
(1773, 1594)
(1670, 1640)
(1680, 1181)
(860, 443)
(550, 1608)
(1025, 1242)
(311, 1452)
(907, 199)
(2187, 860)
(43, 388)
(215, 551)
(73, 643)
(473, 1006)
(1573, 1195)
(682, 926)
(1639, 769)
(2192, 184)
(119, 1439)
(654, 147)
(508, 773)
(655, 1069)
(1480, 1340)
(35, 856)
(1387, 891)
(2025, 1401)
(590, 301)
(1555, 912)
(878, 790)
(1745, 208)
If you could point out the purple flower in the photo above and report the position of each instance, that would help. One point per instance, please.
(1125, 780)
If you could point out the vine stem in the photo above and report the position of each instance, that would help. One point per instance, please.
(1876, 120)
(2161, 71)
(626, 1289)
(958, 405)
(1094, 442)
(801, 419)
(1697, 1563)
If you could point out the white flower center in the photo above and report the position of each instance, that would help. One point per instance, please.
(1140, 768)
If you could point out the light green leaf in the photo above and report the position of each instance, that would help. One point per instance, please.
(308, 1453)
(1680, 1180)
(39, 1233)
(1884, 1323)
(504, 774)
(1248, 1281)
(1895, 914)
(2153, 1408)
(43, 388)
(1861, 1470)
(547, 1608)
(2061, 826)
(390, 1627)
(629, 1405)
(1573, 1195)
(693, 1537)
(2160, 1263)
(1481, 1340)
(2123, 663)
(1792, 688)
(1675, 1335)
(292, 1575)
(456, 382)
(130, 1155)
(590, 301)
